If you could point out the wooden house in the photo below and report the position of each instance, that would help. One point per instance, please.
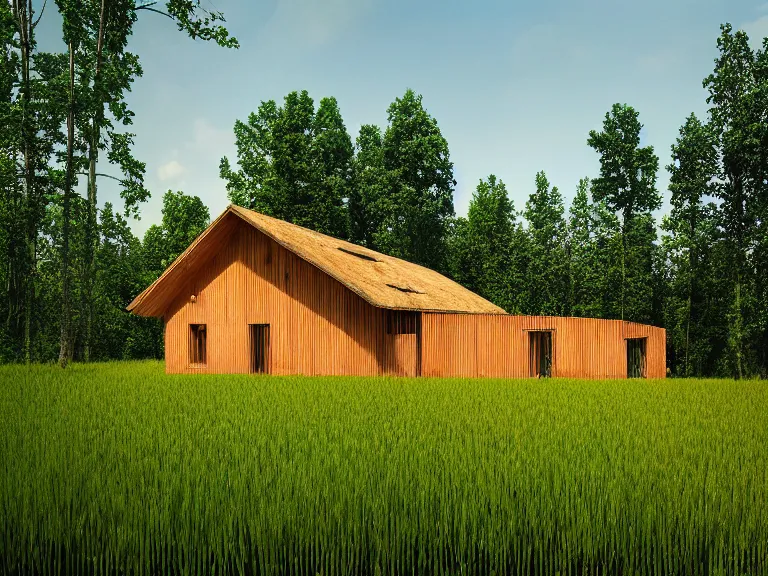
(254, 294)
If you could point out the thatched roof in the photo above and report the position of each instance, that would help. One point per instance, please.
(383, 281)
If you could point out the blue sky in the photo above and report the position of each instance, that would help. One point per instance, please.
(515, 86)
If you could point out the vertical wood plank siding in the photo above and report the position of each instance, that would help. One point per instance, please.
(320, 327)
(317, 325)
(477, 345)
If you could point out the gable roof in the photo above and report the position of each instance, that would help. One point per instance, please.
(381, 280)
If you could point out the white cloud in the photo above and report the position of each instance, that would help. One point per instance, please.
(757, 29)
(170, 171)
(207, 137)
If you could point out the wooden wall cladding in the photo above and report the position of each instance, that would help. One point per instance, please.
(476, 345)
(317, 325)
(320, 327)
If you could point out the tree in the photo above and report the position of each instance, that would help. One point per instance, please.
(759, 177)
(692, 173)
(184, 219)
(487, 249)
(294, 163)
(548, 275)
(585, 274)
(333, 152)
(419, 204)
(96, 33)
(119, 266)
(31, 116)
(737, 115)
(370, 183)
(594, 249)
(627, 184)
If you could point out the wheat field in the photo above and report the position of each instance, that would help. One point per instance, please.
(121, 469)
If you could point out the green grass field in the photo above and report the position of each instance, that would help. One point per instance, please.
(119, 468)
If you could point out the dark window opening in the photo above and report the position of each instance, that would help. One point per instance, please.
(259, 348)
(405, 289)
(197, 343)
(540, 354)
(358, 254)
(636, 357)
(401, 322)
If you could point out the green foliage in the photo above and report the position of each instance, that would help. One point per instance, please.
(119, 261)
(58, 114)
(706, 280)
(627, 184)
(594, 249)
(627, 180)
(124, 470)
(295, 163)
(191, 17)
(738, 89)
(548, 274)
(370, 186)
(488, 249)
(419, 205)
(184, 218)
(692, 231)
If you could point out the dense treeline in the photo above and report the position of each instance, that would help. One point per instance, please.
(70, 267)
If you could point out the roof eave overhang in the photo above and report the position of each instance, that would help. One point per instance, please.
(145, 305)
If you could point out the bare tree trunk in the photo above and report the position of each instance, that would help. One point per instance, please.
(22, 12)
(66, 312)
(93, 157)
(691, 271)
(738, 329)
(625, 218)
(31, 197)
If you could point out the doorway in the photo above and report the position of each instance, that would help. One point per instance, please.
(258, 336)
(540, 359)
(636, 357)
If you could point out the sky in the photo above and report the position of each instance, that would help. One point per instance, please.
(514, 86)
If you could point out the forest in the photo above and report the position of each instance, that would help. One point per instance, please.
(71, 264)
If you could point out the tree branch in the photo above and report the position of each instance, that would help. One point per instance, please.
(100, 174)
(42, 11)
(148, 7)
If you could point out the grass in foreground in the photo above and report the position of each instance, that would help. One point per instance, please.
(118, 468)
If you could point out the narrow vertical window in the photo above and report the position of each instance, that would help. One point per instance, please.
(636, 362)
(259, 345)
(540, 354)
(197, 344)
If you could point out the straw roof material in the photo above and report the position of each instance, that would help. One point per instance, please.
(383, 281)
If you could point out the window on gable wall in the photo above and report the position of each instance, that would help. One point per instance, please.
(401, 322)
(197, 343)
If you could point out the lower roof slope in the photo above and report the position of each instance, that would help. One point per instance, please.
(381, 280)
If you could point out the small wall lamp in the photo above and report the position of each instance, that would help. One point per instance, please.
(193, 298)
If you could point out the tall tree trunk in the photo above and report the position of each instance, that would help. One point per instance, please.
(22, 12)
(691, 271)
(738, 321)
(91, 239)
(66, 305)
(93, 158)
(737, 328)
(625, 217)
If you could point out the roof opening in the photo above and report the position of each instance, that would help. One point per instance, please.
(358, 254)
(405, 289)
